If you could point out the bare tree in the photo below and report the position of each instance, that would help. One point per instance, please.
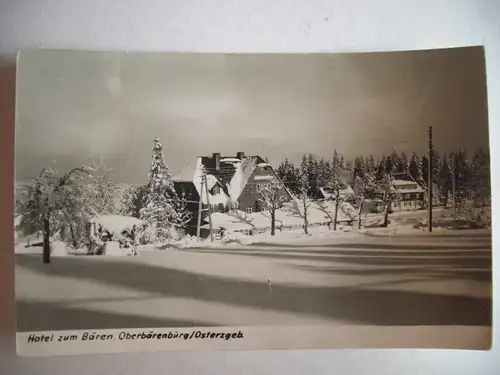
(273, 198)
(388, 195)
(50, 197)
(337, 186)
(364, 188)
(303, 195)
(101, 194)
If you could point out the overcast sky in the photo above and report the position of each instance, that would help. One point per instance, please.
(76, 105)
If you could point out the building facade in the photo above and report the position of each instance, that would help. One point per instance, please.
(411, 195)
(226, 184)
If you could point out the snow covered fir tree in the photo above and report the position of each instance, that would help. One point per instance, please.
(158, 211)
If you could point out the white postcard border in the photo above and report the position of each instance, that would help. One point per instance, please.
(49, 343)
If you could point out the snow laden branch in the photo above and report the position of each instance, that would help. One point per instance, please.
(304, 188)
(181, 215)
(338, 187)
(273, 198)
(50, 203)
(158, 212)
(364, 188)
(101, 195)
(388, 195)
(132, 199)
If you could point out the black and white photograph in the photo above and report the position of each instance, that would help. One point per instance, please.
(203, 190)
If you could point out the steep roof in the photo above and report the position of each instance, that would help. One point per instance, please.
(186, 175)
(402, 180)
(402, 176)
(232, 175)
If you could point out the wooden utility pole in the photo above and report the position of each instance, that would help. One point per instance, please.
(200, 209)
(429, 179)
(209, 209)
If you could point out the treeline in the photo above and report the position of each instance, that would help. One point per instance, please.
(470, 173)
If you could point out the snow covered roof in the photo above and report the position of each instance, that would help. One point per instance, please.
(407, 186)
(233, 174)
(402, 176)
(116, 223)
(186, 174)
(327, 193)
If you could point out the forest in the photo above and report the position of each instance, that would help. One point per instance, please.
(469, 173)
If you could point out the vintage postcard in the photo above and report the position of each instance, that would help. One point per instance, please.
(171, 201)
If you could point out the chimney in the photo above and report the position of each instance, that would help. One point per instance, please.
(240, 155)
(216, 157)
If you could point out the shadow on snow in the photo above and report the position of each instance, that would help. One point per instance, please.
(42, 316)
(348, 304)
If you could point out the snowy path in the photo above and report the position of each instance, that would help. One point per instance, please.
(442, 278)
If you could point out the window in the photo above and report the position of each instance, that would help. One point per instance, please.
(221, 208)
(216, 190)
(249, 210)
(262, 187)
(407, 197)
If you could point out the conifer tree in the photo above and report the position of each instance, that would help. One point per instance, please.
(335, 160)
(342, 163)
(414, 168)
(392, 162)
(462, 177)
(288, 175)
(436, 167)
(381, 169)
(402, 166)
(445, 182)
(182, 216)
(370, 165)
(158, 211)
(321, 178)
(480, 176)
(312, 172)
(424, 170)
(359, 167)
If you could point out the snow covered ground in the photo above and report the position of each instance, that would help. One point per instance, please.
(411, 278)
(291, 215)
